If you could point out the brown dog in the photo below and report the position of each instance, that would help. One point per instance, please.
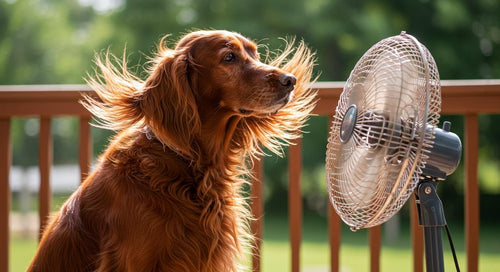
(166, 194)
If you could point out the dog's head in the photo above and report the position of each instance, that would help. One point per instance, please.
(225, 71)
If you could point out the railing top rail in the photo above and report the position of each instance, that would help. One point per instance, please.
(9, 90)
(337, 85)
(45, 88)
(459, 97)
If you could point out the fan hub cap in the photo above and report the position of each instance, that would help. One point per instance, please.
(348, 123)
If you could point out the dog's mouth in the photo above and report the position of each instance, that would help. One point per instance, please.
(271, 109)
(245, 113)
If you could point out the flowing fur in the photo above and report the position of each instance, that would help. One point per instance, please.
(167, 193)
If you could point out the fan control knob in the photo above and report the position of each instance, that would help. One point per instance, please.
(447, 126)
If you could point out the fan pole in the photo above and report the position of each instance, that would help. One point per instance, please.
(431, 217)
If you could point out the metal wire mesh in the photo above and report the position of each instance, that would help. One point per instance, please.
(396, 89)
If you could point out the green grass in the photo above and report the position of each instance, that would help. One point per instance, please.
(21, 252)
(354, 254)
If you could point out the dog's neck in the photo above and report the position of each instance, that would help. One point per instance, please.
(149, 134)
(217, 132)
(215, 139)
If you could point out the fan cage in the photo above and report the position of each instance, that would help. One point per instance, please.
(396, 89)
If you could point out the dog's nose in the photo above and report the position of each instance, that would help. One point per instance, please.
(287, 81)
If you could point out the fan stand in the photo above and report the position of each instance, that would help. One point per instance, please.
(431, 217)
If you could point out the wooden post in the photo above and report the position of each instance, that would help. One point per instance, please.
(295, 201)
(5, 162)
(335, 234)
(417, 238)
(258, 213)
(85, 147)
(44, 164)
(471, 192)
(374, 234)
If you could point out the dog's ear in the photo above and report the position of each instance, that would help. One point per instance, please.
(117, 92)
(168, 102)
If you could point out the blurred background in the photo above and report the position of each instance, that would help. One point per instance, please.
(54, 42)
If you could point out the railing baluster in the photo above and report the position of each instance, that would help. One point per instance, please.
(374, 234)
(85, 147)
(258, 213)
(5, 162)
(334, 227)
(471, 191)
(295, 201)
(44, 164)
(334, 235)
(417, 238)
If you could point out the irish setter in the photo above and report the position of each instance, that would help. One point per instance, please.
(166, 195)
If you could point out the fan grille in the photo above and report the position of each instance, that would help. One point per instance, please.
(395, 88)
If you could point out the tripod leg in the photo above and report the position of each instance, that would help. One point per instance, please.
(433, 249)
(431, 217)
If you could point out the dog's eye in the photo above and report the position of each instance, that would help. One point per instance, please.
(230, 57)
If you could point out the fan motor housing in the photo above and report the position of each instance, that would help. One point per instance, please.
(445, 153)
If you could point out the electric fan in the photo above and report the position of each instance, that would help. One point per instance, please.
(384, 141)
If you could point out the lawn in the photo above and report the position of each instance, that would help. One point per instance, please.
(354, 254)
(21, 252)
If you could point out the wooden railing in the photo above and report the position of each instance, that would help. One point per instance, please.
(469, 98)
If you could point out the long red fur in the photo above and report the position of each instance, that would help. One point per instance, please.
(166, 195)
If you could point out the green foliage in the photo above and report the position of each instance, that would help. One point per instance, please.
(44, 41)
